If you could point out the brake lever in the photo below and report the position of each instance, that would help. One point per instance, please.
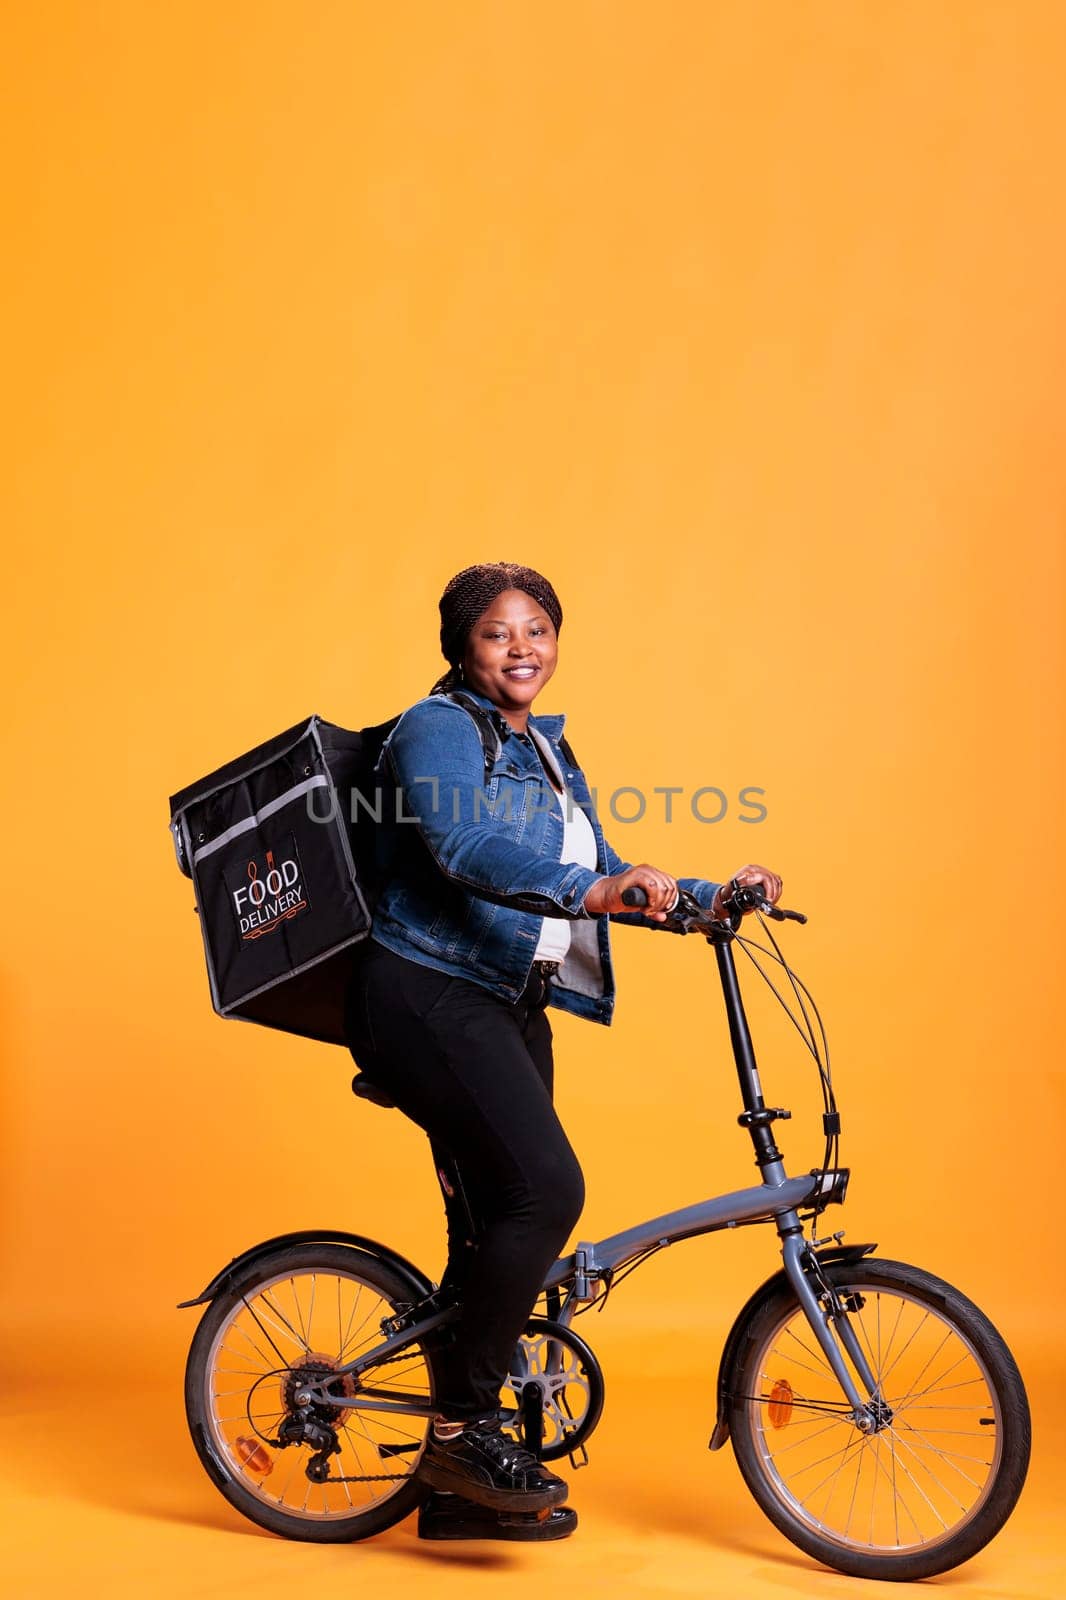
(778, 912)
(688, 916)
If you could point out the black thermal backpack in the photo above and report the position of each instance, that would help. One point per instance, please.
(283, 849)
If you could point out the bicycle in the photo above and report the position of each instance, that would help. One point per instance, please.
(876, 1415)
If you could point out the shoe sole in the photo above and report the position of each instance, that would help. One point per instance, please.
(558, 1524)
(483, 1494)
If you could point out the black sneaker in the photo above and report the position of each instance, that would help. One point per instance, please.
(484, 1465)
(450, 1516)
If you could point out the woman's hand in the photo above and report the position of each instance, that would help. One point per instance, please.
(747, 876)
(660, 888)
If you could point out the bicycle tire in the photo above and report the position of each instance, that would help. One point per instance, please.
(989, 1453)
(328, 1513)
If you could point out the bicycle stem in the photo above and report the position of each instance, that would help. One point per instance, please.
(757, 1118)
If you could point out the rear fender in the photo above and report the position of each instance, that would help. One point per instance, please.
(416, 1281)
(733, 1346)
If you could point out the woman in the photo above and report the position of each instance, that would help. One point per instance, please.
(496, 905)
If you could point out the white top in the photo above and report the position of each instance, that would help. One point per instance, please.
(579, 845)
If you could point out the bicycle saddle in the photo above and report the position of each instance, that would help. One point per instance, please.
(366, 1089)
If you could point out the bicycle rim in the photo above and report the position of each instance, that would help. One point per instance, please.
(312, 1320)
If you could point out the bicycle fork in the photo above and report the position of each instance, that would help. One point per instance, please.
(832, 1328)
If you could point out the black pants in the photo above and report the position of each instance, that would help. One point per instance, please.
(476, 1073)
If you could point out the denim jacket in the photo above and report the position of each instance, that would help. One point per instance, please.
(471, 858)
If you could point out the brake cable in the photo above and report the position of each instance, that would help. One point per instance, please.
(830, 1113)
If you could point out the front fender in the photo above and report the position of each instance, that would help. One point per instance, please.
(764, 1293)
(415, 1280)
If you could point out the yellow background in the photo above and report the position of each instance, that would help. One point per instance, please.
(742, 322)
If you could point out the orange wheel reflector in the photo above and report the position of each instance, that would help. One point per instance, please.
(256, 1456)
(780, 1406)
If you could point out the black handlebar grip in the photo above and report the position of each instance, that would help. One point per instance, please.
(634, 896)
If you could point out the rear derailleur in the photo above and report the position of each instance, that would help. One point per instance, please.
(304, 1428)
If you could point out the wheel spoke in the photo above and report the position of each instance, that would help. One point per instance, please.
(859, 1321)
(227, 1394)
(818, 1412)
(919, 1462)
(947, 1455)
(931, 1358)
(305, 1341)
(879, 1467)
(379, 1367)
(293, 1464)
(239, 1372)
(816, 1354)
(854, 1492)
(794, 1361)
(381, 1420)
(895, 1491)
(346, 1351)
(282, 1323)
(251, 1312)
(831, 1455)
(891, 1338)
(914, 1447)
(944, 1388)
(906, 1347)
(268, 1365)
(852, 1445)
(775, 1455)
(342, 1347)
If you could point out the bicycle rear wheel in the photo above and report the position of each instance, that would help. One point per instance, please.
(296, 1315)
(931, 1487)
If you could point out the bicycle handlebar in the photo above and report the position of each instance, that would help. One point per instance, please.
(743, 897)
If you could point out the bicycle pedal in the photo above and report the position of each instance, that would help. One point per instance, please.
(584, 1461)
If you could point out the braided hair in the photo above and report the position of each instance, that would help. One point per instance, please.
(469, 593)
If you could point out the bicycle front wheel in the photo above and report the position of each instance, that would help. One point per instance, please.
(939, 1478)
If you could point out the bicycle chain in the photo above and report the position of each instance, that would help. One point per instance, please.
(380, 1477)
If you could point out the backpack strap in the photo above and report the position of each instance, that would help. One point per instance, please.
(491, 743)
(486, 721)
